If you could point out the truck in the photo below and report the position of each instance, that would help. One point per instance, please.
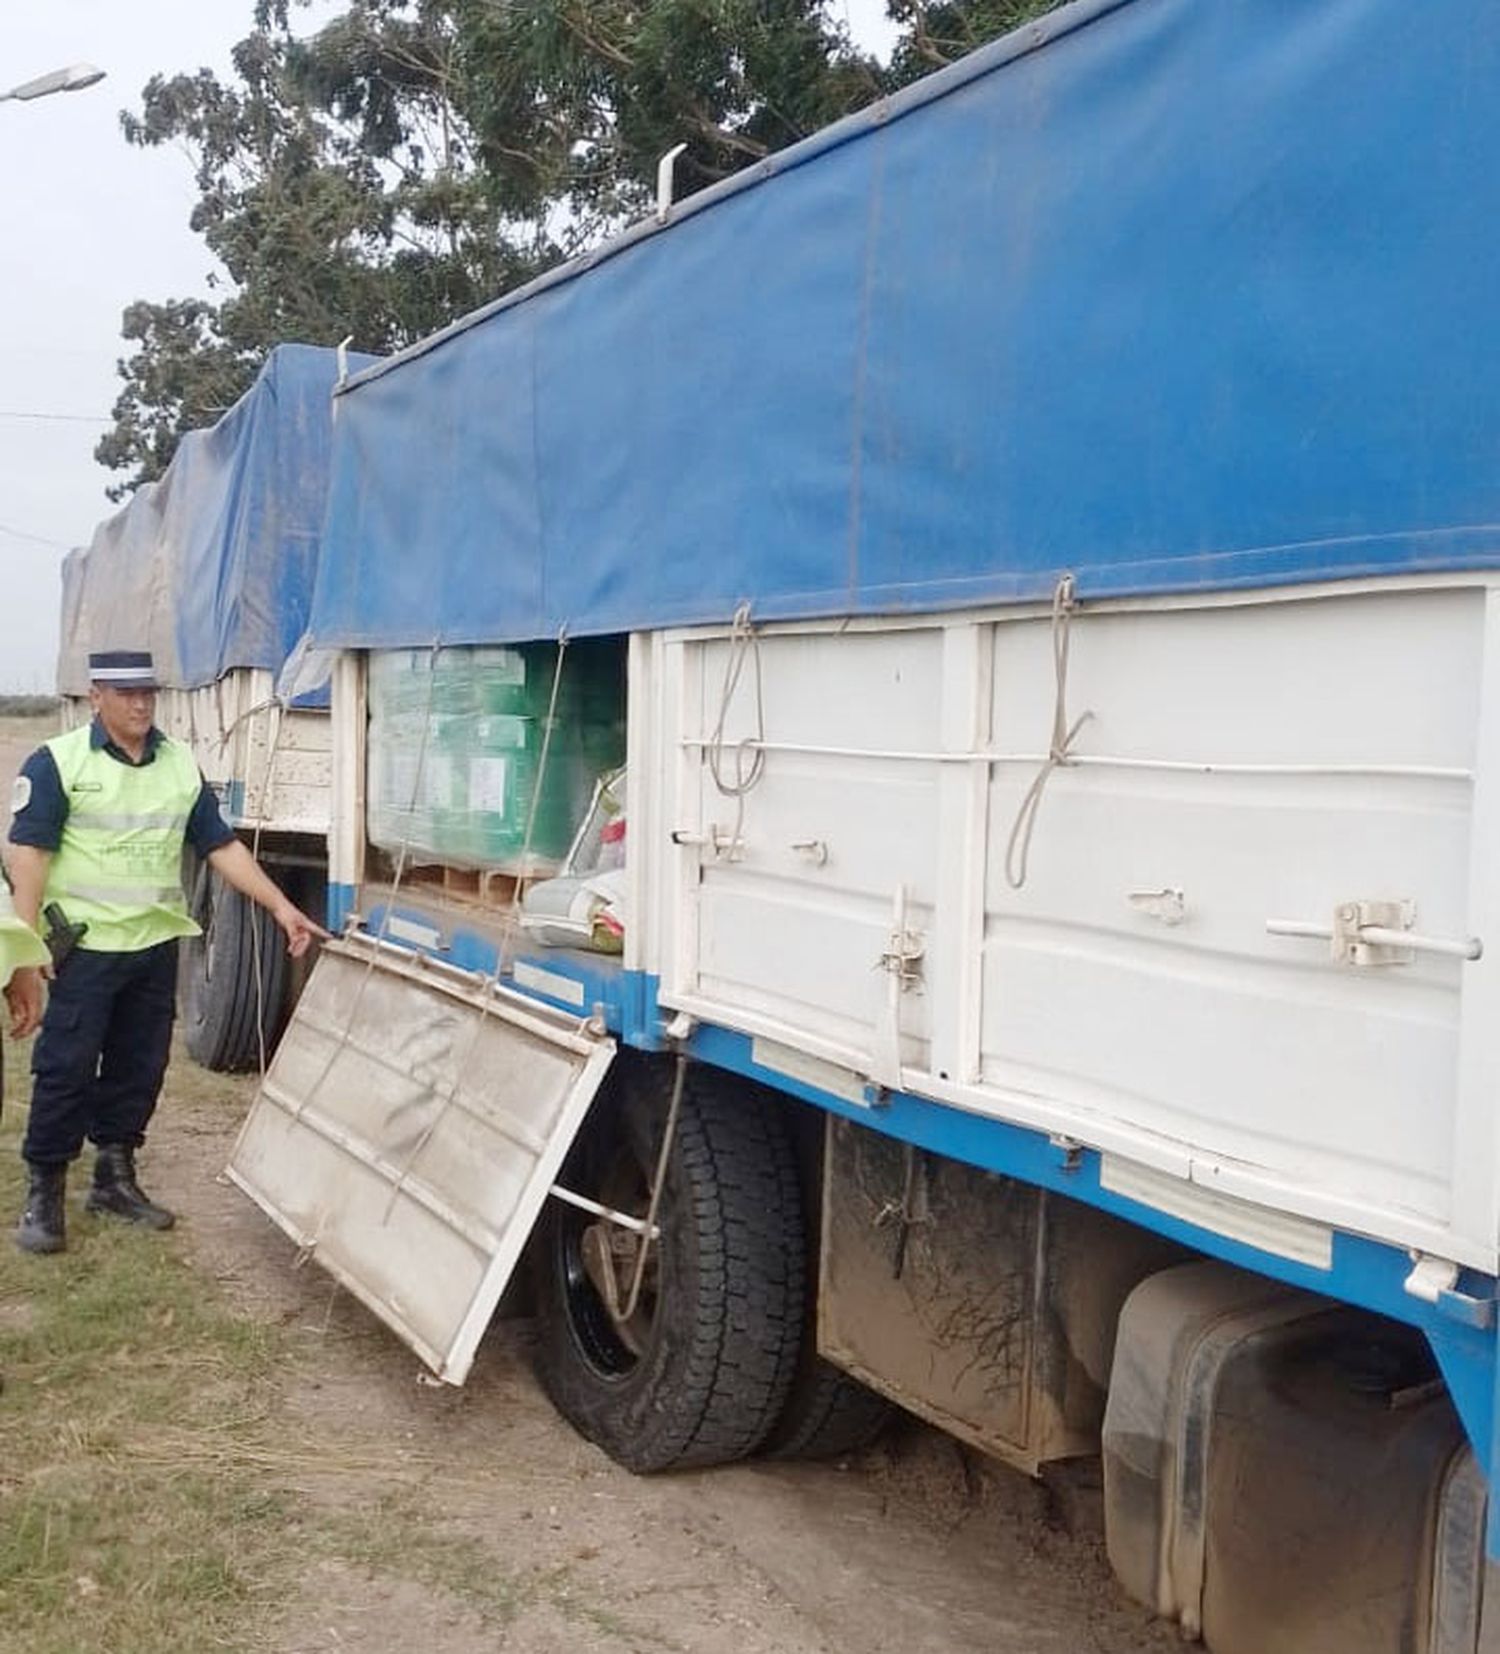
(211, 567)
(1042, 534)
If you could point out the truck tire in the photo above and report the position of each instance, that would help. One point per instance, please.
(220, 1003)
(701, 1371)
(827, 1414)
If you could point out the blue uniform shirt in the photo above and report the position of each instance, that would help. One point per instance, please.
(40, 806)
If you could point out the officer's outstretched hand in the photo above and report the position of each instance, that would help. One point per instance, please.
(299, 929)
(23, 997)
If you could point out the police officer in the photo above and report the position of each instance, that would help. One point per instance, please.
(100, 816)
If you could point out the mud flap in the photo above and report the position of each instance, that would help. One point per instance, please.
(408, 1131)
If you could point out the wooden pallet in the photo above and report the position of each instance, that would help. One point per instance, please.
(491, 887)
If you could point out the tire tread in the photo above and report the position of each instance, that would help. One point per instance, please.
(734, 1336)
(222, 1013)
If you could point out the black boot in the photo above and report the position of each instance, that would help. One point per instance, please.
(116, 1191)
(41, 1228)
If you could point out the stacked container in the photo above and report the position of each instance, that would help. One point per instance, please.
(456, 743)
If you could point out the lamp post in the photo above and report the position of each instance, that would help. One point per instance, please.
(72, 79)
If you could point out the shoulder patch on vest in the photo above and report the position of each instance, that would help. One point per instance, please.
(20, 794)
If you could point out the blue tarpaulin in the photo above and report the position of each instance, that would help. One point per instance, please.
(1170, 294)
(212, 567)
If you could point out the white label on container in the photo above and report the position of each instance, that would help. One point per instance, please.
(549, 983)
(487, 784)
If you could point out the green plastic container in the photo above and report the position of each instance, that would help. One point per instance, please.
(484, 711)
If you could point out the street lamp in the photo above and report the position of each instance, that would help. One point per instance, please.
(72, 79)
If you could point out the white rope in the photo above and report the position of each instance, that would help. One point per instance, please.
(250, 711)
(658, 1189)
(1060, 752)
(418, 777)
(342, 1042)
(256, 943)
(749, 753)
(491, 979)
(531, 813)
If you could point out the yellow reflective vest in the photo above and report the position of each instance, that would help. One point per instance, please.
(118, 868)
(19, 943)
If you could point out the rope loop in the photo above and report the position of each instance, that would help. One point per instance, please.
(523, 873)
(749, 754)
(1064, 734)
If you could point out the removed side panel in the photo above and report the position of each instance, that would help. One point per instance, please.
(408, 1131)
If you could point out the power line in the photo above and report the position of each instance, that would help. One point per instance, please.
(36, 539)
(71, 419)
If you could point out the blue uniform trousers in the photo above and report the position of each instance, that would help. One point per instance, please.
(99, 1060)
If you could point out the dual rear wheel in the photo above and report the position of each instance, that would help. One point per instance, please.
(231, 980)
(700, 1352)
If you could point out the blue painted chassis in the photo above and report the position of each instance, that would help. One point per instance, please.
(1460, 1326)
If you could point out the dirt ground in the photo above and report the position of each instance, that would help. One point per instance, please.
(916, 1546)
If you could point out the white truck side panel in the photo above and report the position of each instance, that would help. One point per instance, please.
(1269, 759)
(273, 767)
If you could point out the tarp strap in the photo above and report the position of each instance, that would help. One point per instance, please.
(1060, 751)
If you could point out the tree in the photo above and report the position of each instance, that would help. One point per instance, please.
(572, 102)
(416, 158)
(183, 375)
(337, 191)
(934, 36)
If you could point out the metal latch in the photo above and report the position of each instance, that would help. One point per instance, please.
(1365, 933)
(1372, 933)
(903, 958)
(723, 842)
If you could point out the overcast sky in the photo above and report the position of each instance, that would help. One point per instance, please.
(89, 224)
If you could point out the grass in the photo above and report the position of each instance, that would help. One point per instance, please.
(101, 1347)
(396, 1535)
(156, 1494)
